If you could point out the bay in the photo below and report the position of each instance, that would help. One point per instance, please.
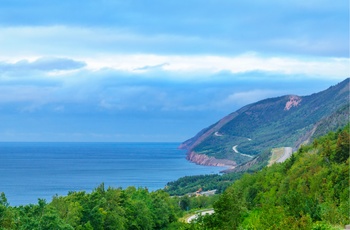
(29, 171)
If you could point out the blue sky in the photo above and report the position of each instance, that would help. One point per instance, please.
(158, 70)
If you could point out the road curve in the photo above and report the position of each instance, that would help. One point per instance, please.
(195, 216)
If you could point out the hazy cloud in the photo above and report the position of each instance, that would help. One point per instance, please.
(154, 67)
(131, 67)
(42, 64)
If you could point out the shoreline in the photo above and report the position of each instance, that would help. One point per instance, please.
(205, 160)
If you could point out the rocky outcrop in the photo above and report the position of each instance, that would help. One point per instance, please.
(294, 101)
(202, 159)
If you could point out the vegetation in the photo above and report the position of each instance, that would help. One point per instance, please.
(336, 121)
(308, 191)
(191, 184)
(267, 124)
(102, 209)
(218, 182)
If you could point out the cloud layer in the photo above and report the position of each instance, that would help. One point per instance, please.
(135, 71)
(42, 64)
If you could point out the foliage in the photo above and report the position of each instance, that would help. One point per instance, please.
(102, 209)
(191, 184)
(308, 191)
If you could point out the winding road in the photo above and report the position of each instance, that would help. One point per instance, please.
(234, 148)
(203, 213)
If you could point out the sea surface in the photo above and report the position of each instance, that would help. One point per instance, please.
(29, 171)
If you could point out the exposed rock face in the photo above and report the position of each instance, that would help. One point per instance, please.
(294, 101)
(202, 159)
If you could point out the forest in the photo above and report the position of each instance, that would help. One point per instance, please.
(308, 191)
(190, 184)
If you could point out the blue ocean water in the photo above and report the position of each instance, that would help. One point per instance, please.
(29, 171)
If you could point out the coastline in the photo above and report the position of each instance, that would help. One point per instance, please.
(202, 159)
(41, 170)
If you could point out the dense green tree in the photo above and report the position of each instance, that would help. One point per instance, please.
(342, 151)
(51, 220)
(184, 203)
(112, 208)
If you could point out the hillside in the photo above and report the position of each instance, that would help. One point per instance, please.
(308, 191)
(285, 121)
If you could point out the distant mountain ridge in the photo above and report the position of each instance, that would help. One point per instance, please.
(286, 121)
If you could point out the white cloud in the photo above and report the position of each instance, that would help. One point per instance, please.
(46, 64)
(336, 68)
(154, 67)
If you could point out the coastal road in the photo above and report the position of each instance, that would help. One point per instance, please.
(203, 213)
(234, 148)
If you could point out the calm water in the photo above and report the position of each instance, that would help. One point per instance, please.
(29, 171)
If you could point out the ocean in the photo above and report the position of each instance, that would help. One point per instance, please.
(29, 171)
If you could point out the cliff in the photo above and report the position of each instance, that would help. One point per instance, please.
(202, 159)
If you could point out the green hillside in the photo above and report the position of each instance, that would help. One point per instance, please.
(271, 123)
(308, 191)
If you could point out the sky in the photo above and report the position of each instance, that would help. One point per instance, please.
(155, 70)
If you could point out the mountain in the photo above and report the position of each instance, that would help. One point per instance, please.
(286, 121)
